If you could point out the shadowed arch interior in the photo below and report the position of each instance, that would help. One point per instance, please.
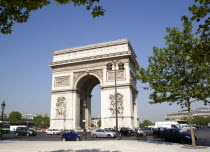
(87, 83)
(84, 87)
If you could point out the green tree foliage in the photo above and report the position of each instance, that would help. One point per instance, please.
(200, 13)
(40, 121)
(146, 123)
(18, 11)
(200, 120)
(14, 116)
(99, 123)
(175, 74)
(92, 125)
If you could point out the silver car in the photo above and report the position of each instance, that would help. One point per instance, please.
(102, 133)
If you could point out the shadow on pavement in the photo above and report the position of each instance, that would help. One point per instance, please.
(83, 150)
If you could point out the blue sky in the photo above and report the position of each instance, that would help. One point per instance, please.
(25, 76)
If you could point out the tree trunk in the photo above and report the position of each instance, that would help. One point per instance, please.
(190, 122)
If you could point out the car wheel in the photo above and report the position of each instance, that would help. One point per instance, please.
(94, 136)
(182, 141)
(109, 136)
(77, 139)
(17, 134)
(164, 139)
(63, 139)
(27, 134)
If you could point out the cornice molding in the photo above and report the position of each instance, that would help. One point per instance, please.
(91, 46)
(93, 58)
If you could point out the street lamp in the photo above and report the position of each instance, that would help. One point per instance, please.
(109, 68)
(84, 119)
(2, 117)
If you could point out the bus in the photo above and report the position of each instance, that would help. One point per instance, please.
(5, 127)
(14, 125)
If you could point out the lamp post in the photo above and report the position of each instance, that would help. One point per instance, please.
(2, 117)
(109, 68)
(84, 119)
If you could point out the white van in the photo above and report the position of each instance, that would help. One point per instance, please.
(167, 124)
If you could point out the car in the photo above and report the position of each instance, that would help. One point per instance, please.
(53, 132)
(177, 135)
(70, 135)
(157, 132)
(148, 132)
(102, 133)
(110, 129)
(125, 131)
(187, 127)
(24, 131)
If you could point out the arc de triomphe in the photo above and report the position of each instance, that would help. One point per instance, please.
(76, 71)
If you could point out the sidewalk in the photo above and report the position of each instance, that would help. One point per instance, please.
(95, 146)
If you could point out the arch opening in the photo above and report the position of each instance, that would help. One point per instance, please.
(85, 86)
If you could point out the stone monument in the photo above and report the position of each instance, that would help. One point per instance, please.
(76, 71)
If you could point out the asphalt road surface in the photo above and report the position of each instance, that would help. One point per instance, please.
(203, 137)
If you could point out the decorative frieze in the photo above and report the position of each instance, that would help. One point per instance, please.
(90, 64)
(62, 81)
(120, 75)
(120, 107)
(61, 107)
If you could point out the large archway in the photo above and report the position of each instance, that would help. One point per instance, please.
(84, 87)
(76, 71)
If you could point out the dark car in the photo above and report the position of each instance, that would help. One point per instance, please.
(24, 131)
(157, 132)
(70, 135)
(177, 135)
(125, 131)
(148, 132)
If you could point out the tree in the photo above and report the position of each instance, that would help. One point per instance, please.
(201, 12)
(40, 121)
(18, 11)
(146, 123)
(200, 120)
(99, 123)
(175, 75)
(14, 116)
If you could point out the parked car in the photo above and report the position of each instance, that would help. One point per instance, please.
(24, 131)
(148, 132)
(53, 132)
(110, 129)
(102, 133)
(187, 127)
(70, 135)
(157, 132)
(125, 131)
(177, 135)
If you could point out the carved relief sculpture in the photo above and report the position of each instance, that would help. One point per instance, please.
(119, 74)
(61, 106)
(62, 81)
(120, 107)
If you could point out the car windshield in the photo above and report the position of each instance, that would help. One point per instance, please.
(128, 128)
(107, 130)
(182, 130)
